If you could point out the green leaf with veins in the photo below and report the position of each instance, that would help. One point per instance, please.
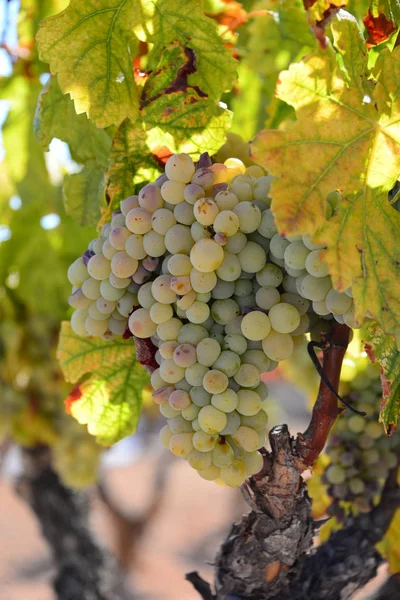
(109, 395)
(88, 45)
(84, 192)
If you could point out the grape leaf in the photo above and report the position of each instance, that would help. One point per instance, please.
(183, 23)
(55, 117)
(382, 348)
(84, 193)
(88, 45)
(111, 383)
(389, 546)
(346, 137)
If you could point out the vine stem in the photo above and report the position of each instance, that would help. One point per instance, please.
(325, 412)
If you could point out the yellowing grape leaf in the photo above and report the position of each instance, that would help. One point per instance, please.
(346, 137)
(389, 547)
(382, 348)
(108, 398)
(88, 46)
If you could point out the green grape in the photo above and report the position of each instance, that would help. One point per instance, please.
(167, 349)
(141, 325)
(109, 292)
(215, 382)
(278, 346)
(179, 425)
(192, 334)
(246, 438)
(195, 374)
(236, 343)
(338, 303)
(150, 197)
(129, 203)
(173, 192)
(335, 474)
(170, 372)
(181, 444)
(301, 304)
(226, 222)
(270, 275)
(138, 220)
(202, 282)
(162, 221)
(257, 421)
(212, 420)
(208, 351)
(258, 359)
(180, 167)
(233, 422)
(226, 401)
(224, 311)
(252, 258)
(165, 436)
(124, 304)
(236, 243)
(199, 460)
(109, 251)
(179, 399)
(267, 297)
(249, 403)
(255, 325)
(295, 255)
(315, 265)
(77, 272)
(205, 211)
(206, 256)
(178, 239)
(154, 244)
(226, 200)
(199, 396)
(223, 290)
(204, 442)
(191, 412)
(234, 475)
(192, 193)
(79, 300)
(243, 287)
(179, 265)
(184, 355)
(118, 237)
(95, 327)
(247, 376)
(228, 362)
(78, 320)
(209, 474)
(230, 269)
(284, 318)
(198, 312)
(122, 265)
(160, 313)
(99, 267)
(314, 288)
(253, 462)
(249, 216)
(161, 290)
(222, 455)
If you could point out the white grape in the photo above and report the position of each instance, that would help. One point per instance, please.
(138, 220)
(141, 325)
(255, 325)
(278, 346)
(206, 256)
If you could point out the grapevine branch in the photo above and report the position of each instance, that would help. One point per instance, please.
(325, 412)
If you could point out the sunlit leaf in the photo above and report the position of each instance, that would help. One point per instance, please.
(111, 383)
(88, 45)
(346, 137)
(389, 546)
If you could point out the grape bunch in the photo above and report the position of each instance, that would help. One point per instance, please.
(360, 453)
(194, 262)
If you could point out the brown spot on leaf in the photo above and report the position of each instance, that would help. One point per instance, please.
(379, 28)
